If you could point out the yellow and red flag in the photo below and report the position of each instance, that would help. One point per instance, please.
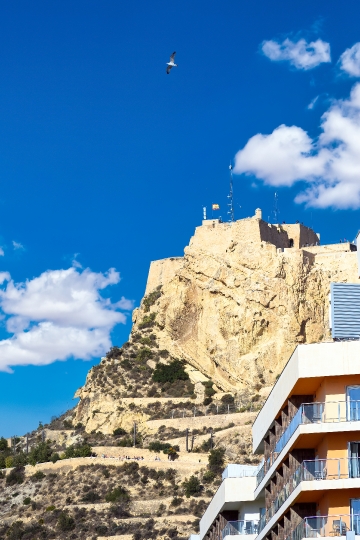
(215, 207)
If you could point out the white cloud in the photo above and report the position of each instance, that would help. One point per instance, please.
(1, 252)
(312, 103)
(300, 54)
(58, 315)
(17, 245)
(329, 164)
(350, 60)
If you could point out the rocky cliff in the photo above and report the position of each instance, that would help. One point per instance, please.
(233, 308)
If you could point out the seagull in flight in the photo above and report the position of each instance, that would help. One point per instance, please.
(171, 64)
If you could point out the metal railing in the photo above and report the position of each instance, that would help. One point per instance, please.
(321, 526)
(213, 409)
(313, 470)
(312, 413)
(240, 527)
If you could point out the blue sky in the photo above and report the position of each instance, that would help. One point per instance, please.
(106, 161)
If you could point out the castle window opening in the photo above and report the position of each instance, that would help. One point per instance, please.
(291, 242)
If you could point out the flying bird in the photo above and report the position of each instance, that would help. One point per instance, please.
(171, 64)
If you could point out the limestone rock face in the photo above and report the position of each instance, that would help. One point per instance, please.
(233, 308)
(236, 306)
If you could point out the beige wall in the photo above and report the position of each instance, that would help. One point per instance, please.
(335, 445)
(301, 234)
(337, 501)
(334, 388)
(162, 271)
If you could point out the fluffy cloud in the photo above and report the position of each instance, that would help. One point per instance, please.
(329, 164)
(300, 54)
(58, 315)
(350, 60)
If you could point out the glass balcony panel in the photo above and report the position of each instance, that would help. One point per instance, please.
(313, 413)
(313, 470)
(326, 526)
(354, 467)
(241, 527)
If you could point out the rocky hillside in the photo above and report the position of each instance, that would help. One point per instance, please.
(232, 309)
(212, 333)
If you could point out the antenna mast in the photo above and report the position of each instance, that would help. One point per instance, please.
(231, 196)
(276, 207)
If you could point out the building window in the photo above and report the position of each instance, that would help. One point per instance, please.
(355, 515)
(354, 463)
(353, 403)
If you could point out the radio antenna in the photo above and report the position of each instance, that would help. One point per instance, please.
(231, 196)
(276, 207)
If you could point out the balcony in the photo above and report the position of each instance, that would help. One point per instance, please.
(312, 413)
(319, 469)
(240, 528)
(326, 526)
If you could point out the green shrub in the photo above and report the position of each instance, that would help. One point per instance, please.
(157, 446)
(3, 444)
(208, 477)
(192, 487)
(148, 321)
(118, 432)
(207, 401)
(54, 457)
(216, 460)
(209, 391)
(126, 442)
(150, 299)
(174, 371)
(39, 475)
(176, 501)
(66, 522)
(228, 399)
(91, 497)
(144, 354)
(20, 459)
(50, 508)
(114, 352)
(118, 494)
(146, 341)
(76, 451)
(16, 476)
(101, 529)
(27, 500)
(9, 461)
(40, 453)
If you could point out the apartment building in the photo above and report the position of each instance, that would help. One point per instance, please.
(233, 510)
(308, 484)
(309, 433)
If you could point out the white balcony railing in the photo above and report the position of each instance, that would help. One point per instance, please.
(240, 528)
(313, 470)
(312, 413)
(326, 526)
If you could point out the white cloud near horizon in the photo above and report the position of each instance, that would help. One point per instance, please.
(330, 164)
(58, 315)
(300, 54)
(350, 60)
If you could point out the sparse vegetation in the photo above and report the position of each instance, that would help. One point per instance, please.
(216, 460)
(192, 487)
(150, 299)
(169, 373)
